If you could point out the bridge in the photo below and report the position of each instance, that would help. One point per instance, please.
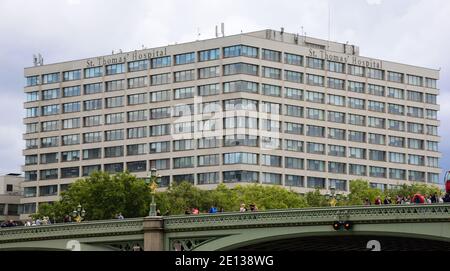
(391, 227)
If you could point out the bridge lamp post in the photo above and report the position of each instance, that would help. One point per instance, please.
(79, 213)
(152, 182)
(332, 196)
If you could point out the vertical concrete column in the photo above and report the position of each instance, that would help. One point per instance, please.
(153, 233)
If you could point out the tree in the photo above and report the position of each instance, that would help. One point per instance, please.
(103, 196)
(316, 199)
(360, 191)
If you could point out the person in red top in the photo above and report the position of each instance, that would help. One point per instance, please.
(195, 211)
(378, 201)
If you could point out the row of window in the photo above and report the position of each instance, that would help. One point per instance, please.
(233, 51)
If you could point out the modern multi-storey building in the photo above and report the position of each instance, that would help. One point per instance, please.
(266, 106)
(10, 195)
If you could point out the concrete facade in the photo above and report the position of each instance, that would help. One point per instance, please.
(314, 113)
(10, 195)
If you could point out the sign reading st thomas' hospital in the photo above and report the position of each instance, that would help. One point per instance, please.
(133, 56)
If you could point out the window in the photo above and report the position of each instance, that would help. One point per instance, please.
(414, 80)
(93, 88)
(316, 165)
(336, 167)
(49, 174)
(240, 122)
(115, 69)
(114, 118)
(376, 106)
(377, 139)
(240, 50)
(315, 80)
(271, 178)
(183, 76)
(183, 178)
(356, 136)
(337, 117)
(430, 98)
(160, 79)
(293, 59)
(396, 125)
(208, 178)
(50, 78)
(335, 67)
(315, 148)
(376, 155)
(430, 83)
(184, 162)
(358, 170)
(183, 145)
(210, 107)
(93, 72)
(241, 104)
(69, 156)
(33, 80)
(113, 135)
(207, 55)
(115, 85)
(397, 174)
(29, 192)
(314, 182)
(71, 172)
(336, 100)
(416, 176)
(50, 110)
(138, 166)
(240, 140)
(355, 70)
(48, 126)
(183, 110)
(92, 154)
(396, 93)
(395, 141)
(160, 164)
(32, 143)
(184, 93)
(335, 150)
(294, 163)
(356, 153)
(136, 149)
(396, 109)
(111, 152)
(270, 160)
(240, 176)
(240, 158)
(240, 86)
(315, 63)
(356, 120)
(136, 99)
(88, 170)
(416, 128)
(432, 146)
(48, 190)
(70, 140)
(185, 58)
(31, 159)
(160, 96)
(32, 96)
(356, 103)
(315, 114)
(395, 77)
(315, 97)
(375, 90)
(271, 90)
(357, 87)
(270, 125)
(375, 74)
(160, 130)
(433, 178)
(376, 122)
(417, 160)
(338, 134)
(138, 82)
(137, 132)
(48, 142)
(417, 144)
(270, 55)
(271, 143)
(72, 75)
(207, 90)
(114, 168)
(377, 172)
(297, 111)
(161, 62)
(92, 121)
(415, 112)
(72, 107)
(139, 115)
(208, 160)
(293, 145)
(432, 130)
(293, 128)
(209, 72)
(92, 137)
(139, 65)
(414, 96)
(30, 176)
(293, 93)
(336, 83)
(340, 185)
(208, 143)
(50, 94)
(295, 77)
(240, 68)
(160, 147)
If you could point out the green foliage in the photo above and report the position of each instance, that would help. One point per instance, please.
(316, 199)
(361, 190)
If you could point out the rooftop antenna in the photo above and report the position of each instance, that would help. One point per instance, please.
(217, 31)
(40, 60)
(223, 29)
(35, 60)
(282, 30)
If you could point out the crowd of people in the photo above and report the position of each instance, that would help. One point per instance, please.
(416, 199)
(214, 209)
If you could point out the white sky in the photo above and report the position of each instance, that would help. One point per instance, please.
(408, 31)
